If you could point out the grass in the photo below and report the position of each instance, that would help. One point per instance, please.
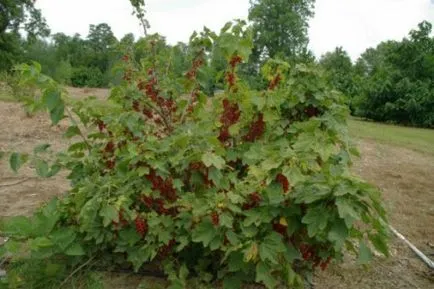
(418, 139)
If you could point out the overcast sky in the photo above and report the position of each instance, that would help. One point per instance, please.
(353, 24)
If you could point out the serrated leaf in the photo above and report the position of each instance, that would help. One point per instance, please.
(75, 250)
(17, 160)
(338, 234)
(204, 233)
(226, 220)
(264, 275)
(270, 248)
(109, 215)
(316, 220)
(19, 226)
(251, 253)
(275, 194)
(72, 131)
(234, 130)
(232, 238)
(365, 254)
(211, 159)
(63, 238)
(347, 211)
(52, 99)
(259, 101)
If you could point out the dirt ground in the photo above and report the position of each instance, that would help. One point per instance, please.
(406, 178)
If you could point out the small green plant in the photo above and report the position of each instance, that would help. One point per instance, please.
(245, 187)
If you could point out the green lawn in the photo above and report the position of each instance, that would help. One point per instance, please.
(414, 138)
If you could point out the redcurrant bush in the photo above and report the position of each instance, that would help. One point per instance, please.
(247, 186)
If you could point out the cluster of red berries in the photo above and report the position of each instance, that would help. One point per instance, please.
(200, 167)
(275, 82)
(279, 228)
(308, 253)
(231, 79)
(256, 129)
(311, 111)
(283, 181)
(128, 75)
(215, 218)
(165, 187)
(231, 115)
(122, 221)
(109, 148)
(141, 226)
(136, 105)
(101, 125)
(110, 164)
(158, 206)
(254, 201)
(235, 60)
(148, 113)
(191, 74)
(165, 250)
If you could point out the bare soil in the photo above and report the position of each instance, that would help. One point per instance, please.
(406, 178)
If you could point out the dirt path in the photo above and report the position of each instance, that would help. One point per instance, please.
(406, 177)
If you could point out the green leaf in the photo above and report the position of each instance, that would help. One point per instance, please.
(75, 250)
(232, 238)
(263, 274)
(270, 248)
(40, 242)
(57, 114)
(232, 282)
(338, 234)
(109, 215)
(259, 101)
(72, 131)
(225, 28)
(41, 148)
(211, 159)
(17, 160)
(316, 220)
(63, 238)
(19, 226)
(52, 99)
(234, 130)
(275, 194)
(379, 242)
(129, 237)
(226, 220)
(347, 211)
(42, 168)
(365, 254)
(204, 233)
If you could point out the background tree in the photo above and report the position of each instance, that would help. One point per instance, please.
(15, 16)
(397, 80)
(280, 27)
(339, 71)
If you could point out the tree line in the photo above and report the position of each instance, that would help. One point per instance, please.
(390, 83)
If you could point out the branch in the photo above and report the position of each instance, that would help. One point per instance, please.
(76, 270)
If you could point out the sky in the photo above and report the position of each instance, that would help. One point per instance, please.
(353, 24)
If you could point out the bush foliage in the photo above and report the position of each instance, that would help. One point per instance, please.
(247, 186)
